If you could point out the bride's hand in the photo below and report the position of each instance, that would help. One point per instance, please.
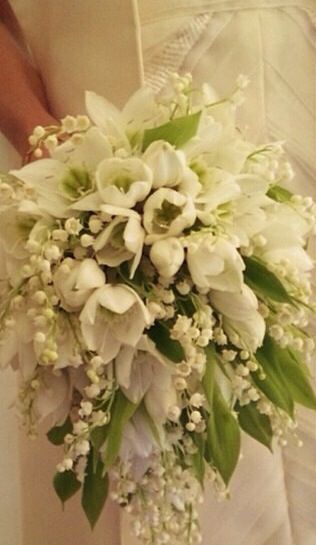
(23, 104)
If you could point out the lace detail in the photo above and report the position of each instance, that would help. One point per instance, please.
(170, 58)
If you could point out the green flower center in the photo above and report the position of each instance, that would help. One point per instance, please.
(123, 182)
(117, 241)
(165, 215)
(76, 183)
(25, 226)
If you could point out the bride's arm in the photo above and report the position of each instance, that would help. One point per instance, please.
(22, 98)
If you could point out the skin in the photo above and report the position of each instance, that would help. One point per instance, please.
(23, 103)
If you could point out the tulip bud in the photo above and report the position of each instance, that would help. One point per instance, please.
(167, 256)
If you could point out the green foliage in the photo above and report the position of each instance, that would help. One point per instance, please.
(98, 436)
(289, 373)
(208, 378)
(255, 424)
(177, 132)
(223, 437)
(66, 485)
(160, 335)
(198, 462)
(122, 411)
(264, 282)
(57, 434)
(296, 377)
(95, 489)
(273, 385)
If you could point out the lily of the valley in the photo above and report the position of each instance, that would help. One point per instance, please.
(113, 315)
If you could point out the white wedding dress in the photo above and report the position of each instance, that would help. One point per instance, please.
(73, 43)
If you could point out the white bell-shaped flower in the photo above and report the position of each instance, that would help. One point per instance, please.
(167, 213)
(167, 255)
(242, 321)
(215, 263)
(122, 240)
(74, 281)
(113, 315)
(123, 182)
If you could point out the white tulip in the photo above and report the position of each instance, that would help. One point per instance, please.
(113, 315)
(167, 213)
(123, 182)
(74, 282)
(167, 255)
(215, 263)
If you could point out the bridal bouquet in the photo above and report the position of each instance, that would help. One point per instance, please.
(155, 297)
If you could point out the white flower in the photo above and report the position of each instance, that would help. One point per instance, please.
(73, 226)
(167, 255)
(123, 182)
(17, 347)
(167, 213)
(138, 444)
(94, 146)
(53, 397)
(218, 187)
(122, 127)
(214, 263)
(143, 373)
(240, 317)
(284, 236)
(122, 240)
(74, 282)
(169, 167)
(57, 185)
(113, 315)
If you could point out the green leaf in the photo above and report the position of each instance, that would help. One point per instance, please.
(255, 424)
(98, 436)
(66, 485)
(264, 282)
(223, 437)
(95, 490)
(198, 462)
(122, 411)
(172, 349)
(208, 378)
(294, 374)
(279, 193)
(274, 385)
(177, 131)
(57, 434)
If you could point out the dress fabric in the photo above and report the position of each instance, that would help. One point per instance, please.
(112, 47)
